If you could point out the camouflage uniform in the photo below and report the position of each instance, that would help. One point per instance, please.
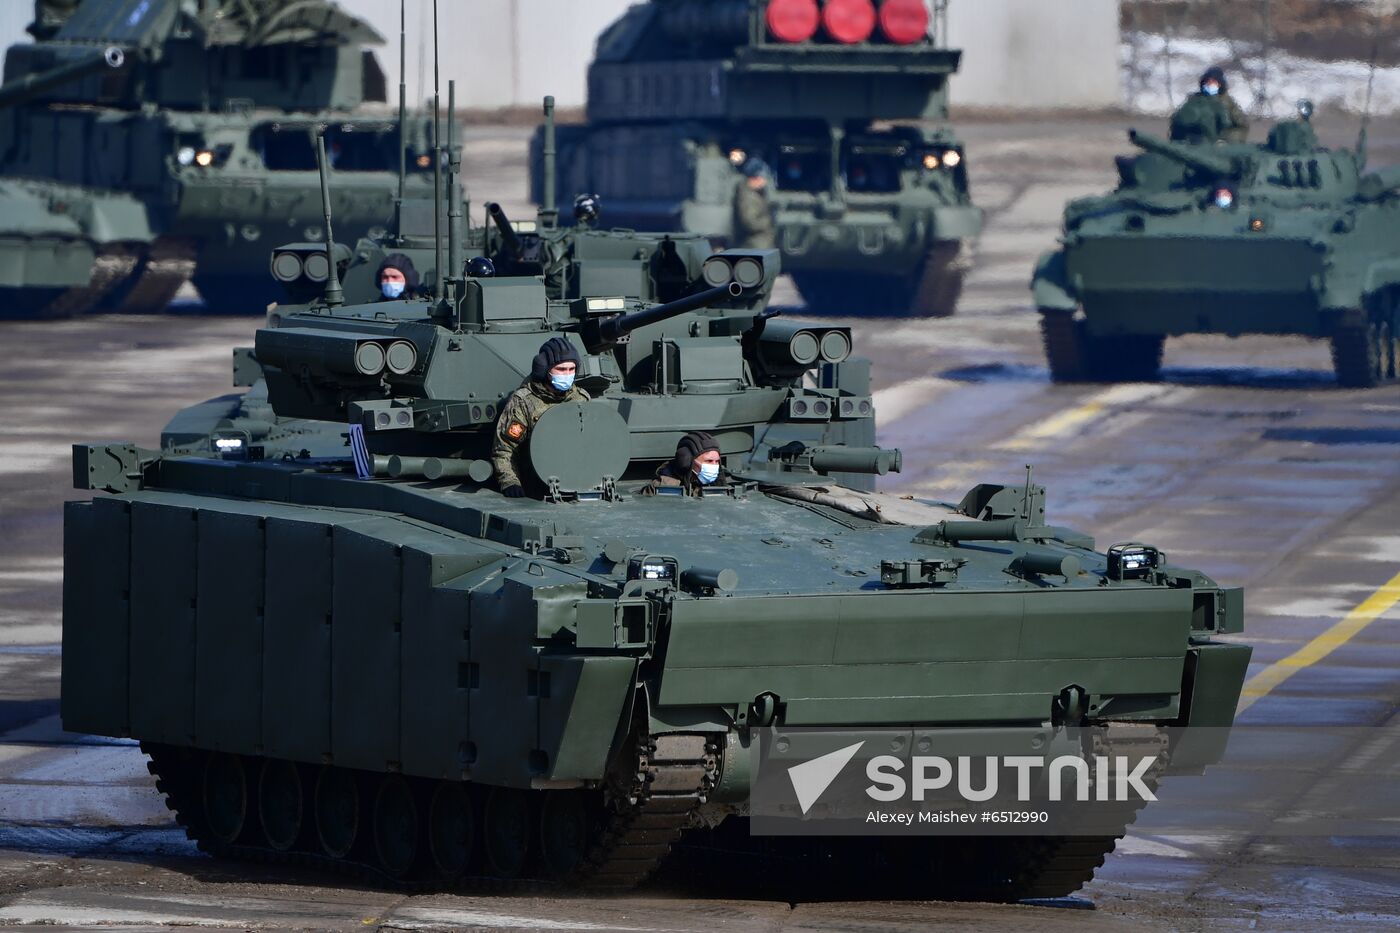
(1234, 123)
(523, 408)
(753, 218)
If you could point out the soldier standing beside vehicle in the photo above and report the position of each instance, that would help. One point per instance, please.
(551, 382)
(695, 467)
(753, 213)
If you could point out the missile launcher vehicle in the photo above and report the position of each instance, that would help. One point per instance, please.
(376, 662)
(145, 143)
(1280, 237)
(842, 107)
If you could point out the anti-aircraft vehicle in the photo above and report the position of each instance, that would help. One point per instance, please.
(145, 143)
(1201, 236)
(845, 104)
(376, 662)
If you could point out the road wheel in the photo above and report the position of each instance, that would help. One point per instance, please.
(1362, 353)
(225, 795)
(337, 811)
(395, 826)
(940, 278)
(280, 803)
(506, 833)
(451, 829)
(565, 829)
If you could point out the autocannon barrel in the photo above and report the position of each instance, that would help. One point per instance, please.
(31, 85)
(1195, 157)
(607, 331)
(856, 460)
(503, 224)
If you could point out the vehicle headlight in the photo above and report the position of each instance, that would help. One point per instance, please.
(186, 155)
(737, 157)
(952, 158)
(1224, 198)
(204, 158)
(931, 161)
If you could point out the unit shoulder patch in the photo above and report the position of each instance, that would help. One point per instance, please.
(516, 430)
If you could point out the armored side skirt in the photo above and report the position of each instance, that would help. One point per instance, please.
(359, 640)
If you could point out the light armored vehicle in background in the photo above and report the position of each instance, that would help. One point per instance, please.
(844, 102)
(1280, 237)
(375, 661)
(144, 143)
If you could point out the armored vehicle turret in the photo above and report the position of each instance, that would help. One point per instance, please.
(1280, 237)
(836, 112)
(376, 659)
(155, 141)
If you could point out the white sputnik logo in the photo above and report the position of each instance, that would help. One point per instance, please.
(811, 778)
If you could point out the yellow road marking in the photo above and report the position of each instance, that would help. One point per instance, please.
(1349, 626)
(1066, 421)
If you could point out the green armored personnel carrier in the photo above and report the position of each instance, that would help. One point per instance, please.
(375, 661)
(840, 108)
(144, 143)
(1280, 237)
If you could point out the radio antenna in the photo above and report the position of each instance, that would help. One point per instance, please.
(403, 108)
(438, 264)
(1366, 109)
(334, 297)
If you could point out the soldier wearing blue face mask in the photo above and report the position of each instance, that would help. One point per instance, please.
(396, 278)
(551, 382)
(1213, 106)
(695, 467)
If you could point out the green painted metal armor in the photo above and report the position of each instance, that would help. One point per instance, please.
(148, 142)
(374, 660)
(681, 95)
(1279, 237)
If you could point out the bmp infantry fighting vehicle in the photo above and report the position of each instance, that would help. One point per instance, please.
(147, 142)
(378, 661)
(689, 101)
(1283, 237)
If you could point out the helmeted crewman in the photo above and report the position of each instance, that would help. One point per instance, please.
(695, 467)
(396, 277)
(1227, 119)
(587, 209)
(551, 382)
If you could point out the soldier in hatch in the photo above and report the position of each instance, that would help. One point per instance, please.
(1228, 121)
(695, 467)
(396, 278)
(551, 382)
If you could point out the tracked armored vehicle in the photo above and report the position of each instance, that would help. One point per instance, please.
(574, 263)
(145, 143)
(845, 104)
(376, 662)
(1281, 237)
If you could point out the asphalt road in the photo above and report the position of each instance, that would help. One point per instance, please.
(1246, 461)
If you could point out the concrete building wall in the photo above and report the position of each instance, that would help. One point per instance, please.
(1017, 53)
(1029, 53)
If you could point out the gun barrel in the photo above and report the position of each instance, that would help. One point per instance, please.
(31, 85)
(503, 224)
(1193, 156)
(614, 329)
